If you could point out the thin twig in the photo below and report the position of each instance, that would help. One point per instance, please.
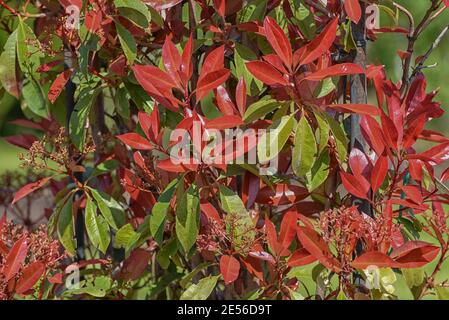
(434, 45)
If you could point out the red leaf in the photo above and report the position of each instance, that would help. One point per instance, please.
(21, 140)
(31, 274)
(66, 3)
(373, 259)
(135, 265)
(220, 6)
(438, 153)
(353, 10)
(224, 122)
(314, 244)
(356, 185)
(118, 66)
(169, 166)
(224, 101)
(135, 141)
(373, 133)
(214, 61)
(446, 3)
(357, 108)
(301, 258)
(229, 268)
(266, 73)
(93, 18)
(278, 41)
(358, 162)
(211, 81)
(288, 229)
(240, 96)
(186, 61)
(58, 85)
(172, 59)
(283, 194)
(276, 247)
(15, 258)
(415, 254)
(318, 46)
(155, 76)
(29, 188)
(379, 172)
(336, 70)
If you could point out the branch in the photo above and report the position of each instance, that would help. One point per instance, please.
(412, 37)
(320, 7)
(434, 45)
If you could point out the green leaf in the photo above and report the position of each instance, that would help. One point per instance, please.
(319, 172)
(238, 221)
(326, 86)
(304, 149)
(187, 216)
(126, 237)
(29, 53)
(442, 292)
(160, 210)
(242, 55)
(8, 73)
(274, 139)
(127, 41)
(414, 277)
(260, 109)
(96, 226)
(323, 128)
(201, 290)
(135, 11)
(111, 210)
(340, 138)
(188, 278)
(34, 98)
(167, 251)
(65, 227)
(78, 119)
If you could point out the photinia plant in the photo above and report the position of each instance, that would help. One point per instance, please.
(222, 149)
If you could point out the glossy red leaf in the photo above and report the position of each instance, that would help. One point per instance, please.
(15, 258)
(224, 102)
(358, 162)
(214, 61)
(186, 60)
(438, 153)
(58, 85)
(135, 141)
(276, 247)
(224, 122)
(266, 73)
(288, 229)
(373, 259)
(372, 132)
(301, 258)
(172, 59)
(318, 46)
(314, 244)
(211, 81)
(356, 108)
(240, 96)
(415, 254)
(335, 70)
(379, 172)
(278, 41)
(31, 274)
(220, 6)
(229, 268)
(353, 10)
(29, 188)
(356, 185)
(169, 166)
(118, 66)
(281, 195)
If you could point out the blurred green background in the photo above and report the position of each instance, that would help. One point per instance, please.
(384, 51)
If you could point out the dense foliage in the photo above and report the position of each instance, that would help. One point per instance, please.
(220, 149)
